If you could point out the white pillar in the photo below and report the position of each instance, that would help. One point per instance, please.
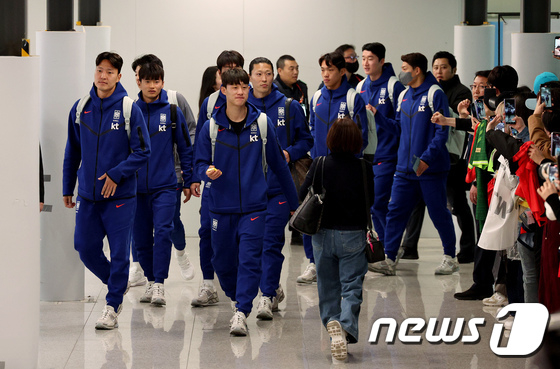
(531, 54)
(474, 50)
(62, 83)
(98, 40)
(19, 209)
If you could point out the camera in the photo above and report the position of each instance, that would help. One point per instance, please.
(492, 101)
(548, 171)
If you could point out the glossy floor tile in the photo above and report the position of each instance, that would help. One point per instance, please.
(178, 336)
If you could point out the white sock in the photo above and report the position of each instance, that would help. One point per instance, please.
(180, 252)
(209, 283)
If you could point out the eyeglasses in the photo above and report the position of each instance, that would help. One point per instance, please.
(480, 86)
(351, 57)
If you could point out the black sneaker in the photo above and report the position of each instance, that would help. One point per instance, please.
(465, 257)
(410, 254)
(473, 293)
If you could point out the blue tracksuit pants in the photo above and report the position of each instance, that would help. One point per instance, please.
(277, 216)
(178, 232)
(94, 221)
(237, 242)
(152, 233)
(382, 181)
(405, 193)
(205, 234)
(308, 247)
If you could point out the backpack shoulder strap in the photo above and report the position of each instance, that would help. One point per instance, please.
(173, 118)
(80, 107)
(431, 93)
(401, 97)
(127, 110)
(213, 134)
(360, 85)
(262, 122)
(350, 99)
(316, 97)
(212, 103)
(287, 115)
(391, 87)
(172, 97)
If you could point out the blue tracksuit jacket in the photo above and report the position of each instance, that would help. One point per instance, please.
(242, 187)
(99, 144)
(419, 137)
(376, 93)
(331, 106)
(159, 172)
(274, 106)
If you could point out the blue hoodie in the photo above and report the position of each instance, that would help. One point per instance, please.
(159, 172)
(376, 93)
(242, 186)
(202, 118)
(420, 138)
(331, 106)
(274, 106)
(101, 145)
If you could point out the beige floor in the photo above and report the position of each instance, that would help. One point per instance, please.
(179, 336)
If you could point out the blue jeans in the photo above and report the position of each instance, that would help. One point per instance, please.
(341, 266)
(529, 266)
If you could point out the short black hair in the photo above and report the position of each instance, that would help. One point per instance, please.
(113, 58)
(375, 48)
(282, 61)
(335, 59)
(520, 109)
(482, 73)
(151, 71)
(342, 48)
(445, 55)
(504, 78)
(230, 57)
(146, 59)
(260, 60)
(416, 60)
(234, 76)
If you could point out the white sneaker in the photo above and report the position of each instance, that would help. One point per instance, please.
(187, 269)
(238, 324)
(233, 307)
(386, 267)
(339, 348)
(147, 296)
(136, 275)
(158, 294)
(497, 299)
(448, 265)
(108, 319)
(278, 298)
(206, 296)
(309, 276)
(264, 308)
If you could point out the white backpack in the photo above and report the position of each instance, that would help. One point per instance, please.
(390, 87)
(263, 129)
(351, 96)
(127, 109)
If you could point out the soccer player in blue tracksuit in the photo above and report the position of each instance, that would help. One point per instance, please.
(376, 90)
(104, 159)
(207, 294)
(422, 165)
(157, 180)
(324, 110)
(238, 198)
(295, 145)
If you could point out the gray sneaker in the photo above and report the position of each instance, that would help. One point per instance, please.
(158, 295)
(448, 265)
(309, 276)
(206, 297)
(264, 308)
(238, 324)
(386, 267)
(108, 319)
(147, 296)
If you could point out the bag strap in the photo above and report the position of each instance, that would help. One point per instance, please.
(80, 107)
(213, 131)
(287, 115)
(262, 122)
(322, 163)
(364, 176)
(172, 97)
(350, 98)
(212, 99)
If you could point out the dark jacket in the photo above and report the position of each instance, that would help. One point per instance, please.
(345, 205)
(455, 92)
(298, 92)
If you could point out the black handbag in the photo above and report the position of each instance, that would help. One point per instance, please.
(307, 217)
(374, 248)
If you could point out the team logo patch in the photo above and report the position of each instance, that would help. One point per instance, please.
(254, 128)
(116, 115)
(281, 117)
(422, 106)
(214, 224)
(342, 110)
(382, 93)
(163, 117)
(77, 206)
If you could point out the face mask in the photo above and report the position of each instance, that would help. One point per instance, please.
(352, 67)
(405, 77)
